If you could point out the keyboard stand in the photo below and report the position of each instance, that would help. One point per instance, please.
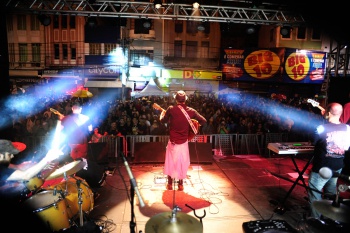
(280, 209)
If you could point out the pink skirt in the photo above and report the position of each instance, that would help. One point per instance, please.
(177, 160)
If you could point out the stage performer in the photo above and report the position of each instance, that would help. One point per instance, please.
(76, 128)
(177, 157)
(330, 140)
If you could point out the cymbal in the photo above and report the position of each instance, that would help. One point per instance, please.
(164, 223)
(67, 169)
(340, 214)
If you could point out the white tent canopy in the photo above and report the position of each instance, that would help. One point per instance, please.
(151, 90)
(227, 90)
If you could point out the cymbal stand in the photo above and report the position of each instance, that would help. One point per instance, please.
(194, 212)
(80, 200)
(174, 212)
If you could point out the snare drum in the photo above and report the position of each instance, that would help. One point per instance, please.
(69, 189)
(50, 208)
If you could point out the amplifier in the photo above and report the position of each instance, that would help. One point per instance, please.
(267, 226)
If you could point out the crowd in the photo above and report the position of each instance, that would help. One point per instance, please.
(239, 114)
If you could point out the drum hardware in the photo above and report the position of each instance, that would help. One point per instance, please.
(194, 212)
(173, 222)
(335, 209)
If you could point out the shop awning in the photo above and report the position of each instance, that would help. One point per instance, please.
(104, 84)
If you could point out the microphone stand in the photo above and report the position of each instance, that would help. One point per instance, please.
(133, 190)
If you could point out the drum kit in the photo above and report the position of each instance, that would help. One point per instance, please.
(62, 199)
(336, 217)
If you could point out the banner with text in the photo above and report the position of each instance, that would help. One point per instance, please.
(283, 65)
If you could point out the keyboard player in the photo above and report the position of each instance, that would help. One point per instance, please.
(330, 141)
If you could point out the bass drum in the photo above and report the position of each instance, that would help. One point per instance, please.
(69, 189)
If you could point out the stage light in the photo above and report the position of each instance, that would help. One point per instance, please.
(157, 4)
(147, 23)
(196, 5)
(91, 21)
(285, 30)
(201, 27)
(44, 20)
(250, 30)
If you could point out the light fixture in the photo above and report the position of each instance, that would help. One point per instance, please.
(91, 21)
(250, 30)
(44, 20)
(157, 4)
(146, 23)
(201, 27)
(285, 30)
(195, 5)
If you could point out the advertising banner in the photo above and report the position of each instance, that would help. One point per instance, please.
(283, 65)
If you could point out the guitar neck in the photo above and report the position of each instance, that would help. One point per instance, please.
(322, 109)
(156, 106)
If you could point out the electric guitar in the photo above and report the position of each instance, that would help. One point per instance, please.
(196, 125)
(57, 113)
(315, 104)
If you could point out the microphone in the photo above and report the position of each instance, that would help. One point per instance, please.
(133, 181)
(327, 173)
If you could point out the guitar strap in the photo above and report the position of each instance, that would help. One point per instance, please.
(189, 119)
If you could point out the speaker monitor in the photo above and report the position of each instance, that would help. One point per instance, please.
(154, 152)
(98, 152)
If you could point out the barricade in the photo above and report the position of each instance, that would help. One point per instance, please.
(221, 144)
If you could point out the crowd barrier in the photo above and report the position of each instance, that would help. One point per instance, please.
(220, 144)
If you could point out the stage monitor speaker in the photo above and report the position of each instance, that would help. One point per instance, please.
(200, 153)
(154, 152)
(98, 152)
(149, 152)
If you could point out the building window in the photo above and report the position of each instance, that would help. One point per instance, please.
(178, 26)
(301, 35)
(204, 49)
(23, 54)
(191, 27)
(73, 52)
(316, 34)
(12, 54)
(9, 23)
(141, 57)
(34, 23)
(178, 48)
(65, 51)
(191, 48)
(72, 21)
(110, 48)
(56, 21)
(272, 34)
(57, 51)
(36, 55)
(95, 49)
(64, 21)
(21, 22)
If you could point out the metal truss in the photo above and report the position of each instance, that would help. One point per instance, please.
(168, 11)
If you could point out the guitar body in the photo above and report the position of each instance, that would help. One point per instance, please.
(191, 134)
(196, 125)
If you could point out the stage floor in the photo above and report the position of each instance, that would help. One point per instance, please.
(224, 196)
